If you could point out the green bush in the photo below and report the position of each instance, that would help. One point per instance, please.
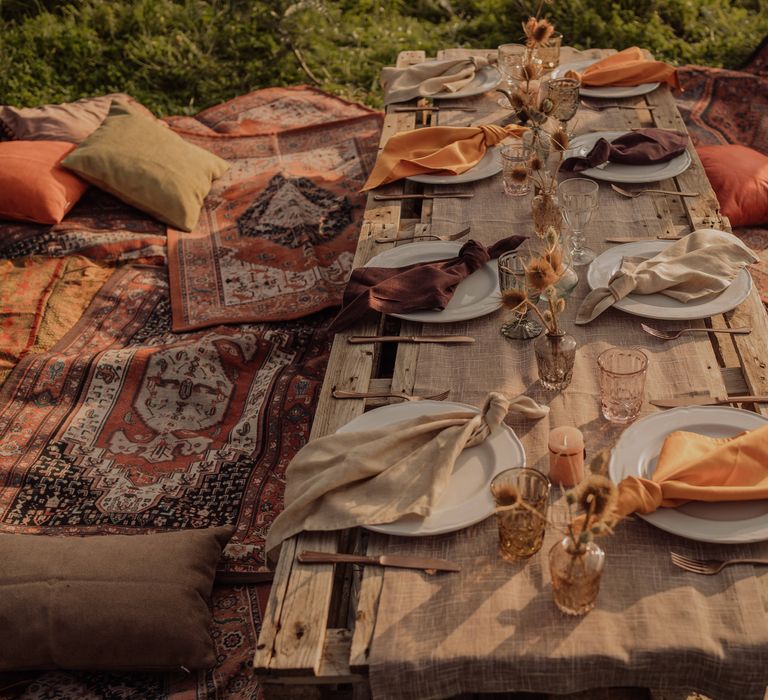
(179, 56)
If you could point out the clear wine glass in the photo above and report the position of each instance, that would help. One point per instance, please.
(512, 276)
(578, 199)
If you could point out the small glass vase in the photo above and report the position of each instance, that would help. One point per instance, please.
(546, 213)
(575, 575)
(555, 355)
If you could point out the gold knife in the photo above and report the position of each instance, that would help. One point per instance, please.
(428, 565)
(637, 240)
(706, 401)
(435, 109)
(434, 195)
(356, 339)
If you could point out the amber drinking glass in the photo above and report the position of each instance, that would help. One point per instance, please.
(521, 496)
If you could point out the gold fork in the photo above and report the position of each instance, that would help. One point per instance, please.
(632, 195)
(708, 567)
(671, 335)
(339, 394)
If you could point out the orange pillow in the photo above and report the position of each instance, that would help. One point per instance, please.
(739, 176)
(33, 185)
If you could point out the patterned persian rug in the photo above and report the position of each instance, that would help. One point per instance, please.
(724, 106)
(279, 230)
(127, 427)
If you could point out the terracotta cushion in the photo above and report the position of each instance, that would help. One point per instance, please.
(148, 166)
(33, 185)
(112, 602)
(70, 121)
(739, 176)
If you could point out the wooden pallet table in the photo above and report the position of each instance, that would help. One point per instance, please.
(320, 622)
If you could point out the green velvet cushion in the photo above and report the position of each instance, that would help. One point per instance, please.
(145, 164)
(111, 602)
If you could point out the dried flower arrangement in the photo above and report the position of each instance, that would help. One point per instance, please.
(597, 497)
(542, 272)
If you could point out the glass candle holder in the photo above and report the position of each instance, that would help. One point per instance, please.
(521, 496)
(622, 381)
(512, 277)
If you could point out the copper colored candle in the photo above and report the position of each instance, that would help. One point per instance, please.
(566, 455)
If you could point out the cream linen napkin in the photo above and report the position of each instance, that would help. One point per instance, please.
(377, 476)
(700, 265)
(429, 78)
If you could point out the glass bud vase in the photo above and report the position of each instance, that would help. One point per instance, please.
(575, 575)
(546, 213)
(555, 355)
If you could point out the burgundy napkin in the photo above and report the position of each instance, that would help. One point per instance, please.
(641, 147)
(423, 286)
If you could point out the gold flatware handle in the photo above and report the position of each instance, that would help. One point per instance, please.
(307, 557)
(434, 109)
(357, 339)
(707, 401)
(628, 239)
(434, 195)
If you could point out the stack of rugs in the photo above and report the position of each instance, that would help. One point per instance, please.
(166, 287)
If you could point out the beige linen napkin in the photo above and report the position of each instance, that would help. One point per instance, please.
(700, 265)
(378, 476)
(429, 78)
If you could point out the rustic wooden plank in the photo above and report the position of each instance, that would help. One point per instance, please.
(734, 381)
(367, 606)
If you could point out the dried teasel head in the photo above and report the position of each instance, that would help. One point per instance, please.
(506, 495)
(560, 140)
(513, 299)
(554, 256)
(597, 495)
(540, 275)
(537, 31)
(519, 173)
(536, 163)
(516, 99)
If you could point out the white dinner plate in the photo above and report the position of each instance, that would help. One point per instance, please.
(485, 79)
(603, 92)
(638, 449)
(487, 167)
(661, 306)
(467, 499)
(475, 296)
(621, 172)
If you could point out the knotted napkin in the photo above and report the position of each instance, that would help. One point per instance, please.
(626, 68)
(425, 286)
(700, 265)
(429, 78)
(378, 476)
(641, 147)
(443, 150)
(694, 467)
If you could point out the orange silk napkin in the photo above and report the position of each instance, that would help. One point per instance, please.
(443, 150)
(628, 67)
(694, 467)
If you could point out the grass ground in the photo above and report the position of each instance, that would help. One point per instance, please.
(179, 56)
